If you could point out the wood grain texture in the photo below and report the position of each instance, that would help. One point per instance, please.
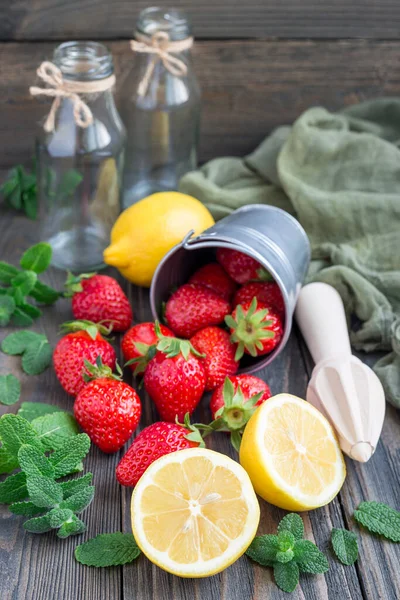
(102, 19)
(249, 87)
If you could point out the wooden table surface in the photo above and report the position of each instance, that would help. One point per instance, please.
(42, 567)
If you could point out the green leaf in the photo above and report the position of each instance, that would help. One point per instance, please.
(66, 459)
(7, 272)
(33, 462)
(7, 307)
(293, 523)
(17, 342)
(263, 549)
(37, 258)
(379, 518)
(37, 357)
(53, 429)
(44, 294)
(13, 489)
(10, 389)
(69, 182)
(309, 558)
(28, 509)
(58, 516)
(29, 310)
(8, 461)
(25, 281)
(107, 550)
(29, 198)
(16, 431)
(284, 556)
(73, 486)
(345, 546)
(33, 410)
(80, 500)
(286, 576)
(38, 524)
(21, 318)
(73, 527)
(43, 491)
(286, 540)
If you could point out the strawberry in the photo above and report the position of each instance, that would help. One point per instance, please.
(266, 292)
(255, 328)
(175, 378)
(107, 409)
(139, 345)
(214, 277)
(193, 307)
(241, 267)
(153, 442)
(233, 403)
(99, 298)
(85, 341)
(219, 360)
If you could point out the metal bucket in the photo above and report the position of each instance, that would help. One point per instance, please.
(268, 234)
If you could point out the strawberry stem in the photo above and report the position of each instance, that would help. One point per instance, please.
(99, 370)
(249, 329)
(73, 283)
(83, 325)
(172, 346)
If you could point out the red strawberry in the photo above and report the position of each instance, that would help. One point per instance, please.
(99, 298)
(175, 379)
(214, 277)
(107, 409)
(219, 360)
(138, 345)
(153, 442)
(266, 292)
(255, 328)
(84, 342)
(193, 307)
(241, 267)
(234, 402)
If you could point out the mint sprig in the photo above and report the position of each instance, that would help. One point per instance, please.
(288, 553)
(107, 550)
(379, 518)
(34, 347)
(345, 545)
(20, 192)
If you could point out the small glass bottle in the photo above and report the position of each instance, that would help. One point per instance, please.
(80, 168)
(161, 109)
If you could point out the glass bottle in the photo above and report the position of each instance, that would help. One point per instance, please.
(162, 120)
(80, 168)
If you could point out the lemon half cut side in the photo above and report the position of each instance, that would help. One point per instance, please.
(194, 512)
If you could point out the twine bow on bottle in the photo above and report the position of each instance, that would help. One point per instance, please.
(60, 88)
(160, 45)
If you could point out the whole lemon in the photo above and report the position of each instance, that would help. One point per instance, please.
(147, 230)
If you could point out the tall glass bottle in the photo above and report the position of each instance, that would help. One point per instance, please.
(80, 168)
(160, 108)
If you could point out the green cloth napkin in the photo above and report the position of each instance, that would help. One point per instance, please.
(339, 174)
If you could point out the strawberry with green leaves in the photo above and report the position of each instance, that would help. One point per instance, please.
(213, 276)
(83, 341)
(139, 345)
(255, 328)
(241, 267)
(153, 442)
(99, 298)
(107, 409)
(219, 360)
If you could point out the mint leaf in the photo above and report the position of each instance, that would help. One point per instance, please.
(345, 546)
(37, 357)
(16, 431)
(7, 272)
(8, 462)
(73, 486)
(69, 182)
(29, 310)
(284, 556)
(73, 527)
(379, 518)
(10, 389)
(286, 576)
(33, 462)
(24, 281)
(37, 258)
(58, 516)
(107, 550)
(44, 491)
(17, 343)
(286, 542)
(44, 294)
(7, 307)
(13, 489)
(263, 549)
(54, 429)
(80, 500)
(32, 410)
(293, 523)
(309, 558)
(38, 525)
(28, 509)
(66, 458)
(20, 318)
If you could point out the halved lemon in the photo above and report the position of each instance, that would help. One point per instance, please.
(291, 454)
(194, 512)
